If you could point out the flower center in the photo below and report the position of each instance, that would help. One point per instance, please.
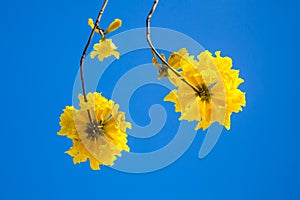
(203, 92)
(94, 130)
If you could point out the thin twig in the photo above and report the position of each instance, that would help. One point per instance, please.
(84, 54)
(87, 46)
(155, 52)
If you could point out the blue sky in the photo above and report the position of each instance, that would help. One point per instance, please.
(41, 43)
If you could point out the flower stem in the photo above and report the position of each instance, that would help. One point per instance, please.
(87, 46)
(84, 54)
(155, 52)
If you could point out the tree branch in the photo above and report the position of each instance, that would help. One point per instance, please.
(87, 46)
(155, 52)
(84, 54)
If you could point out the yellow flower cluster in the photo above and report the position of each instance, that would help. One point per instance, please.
(105, 48)
(97, 130)
(211, 94)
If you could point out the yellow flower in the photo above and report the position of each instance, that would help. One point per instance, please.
(105, 48)
(215, 94)
(97, 130)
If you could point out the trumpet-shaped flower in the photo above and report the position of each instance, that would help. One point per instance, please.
(97, 130)
(104, 49)
(214, 94)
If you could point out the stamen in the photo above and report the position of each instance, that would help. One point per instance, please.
(203, 92)
(94, 130)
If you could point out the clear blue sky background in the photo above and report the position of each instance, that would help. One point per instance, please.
(41, 43)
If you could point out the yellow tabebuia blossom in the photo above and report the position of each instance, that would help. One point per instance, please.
(214, 95)
(97, 130)
(105, 48)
